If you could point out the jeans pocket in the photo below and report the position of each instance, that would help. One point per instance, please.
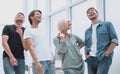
(89, 59)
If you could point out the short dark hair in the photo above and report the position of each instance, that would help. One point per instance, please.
(91, 8)
(32, 13)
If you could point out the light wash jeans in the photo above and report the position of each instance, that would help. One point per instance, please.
(48, 67)
(98, 67)
(8, 69)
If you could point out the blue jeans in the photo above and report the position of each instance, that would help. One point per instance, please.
(98, 67)
(8, 69)
(48, 67)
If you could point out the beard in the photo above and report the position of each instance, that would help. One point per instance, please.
(19, 21)
(93, 17)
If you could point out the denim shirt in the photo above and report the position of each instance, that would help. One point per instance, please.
(106, 34)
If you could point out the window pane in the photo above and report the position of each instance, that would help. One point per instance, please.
(113, 15)
(79, 18)
(8, 10)
(41, 6)
(30, 6)
(55, 4)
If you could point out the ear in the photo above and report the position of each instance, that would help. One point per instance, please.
(31, 17)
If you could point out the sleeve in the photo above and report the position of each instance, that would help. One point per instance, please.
(5, 30)
(112, 33)
(87, 49)
(60, 46)
(27, 33)
(80, 42)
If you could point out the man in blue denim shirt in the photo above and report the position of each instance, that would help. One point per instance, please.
(100, 41)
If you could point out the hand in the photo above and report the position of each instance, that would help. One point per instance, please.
(87, 56)
(107, 53)
(39, 68)
(19, 31)
(62, 36)
(53, 59)
(13, 61)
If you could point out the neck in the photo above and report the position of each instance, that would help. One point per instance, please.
(18, 25)
(65, 33)
(35, 25)
(95, 21)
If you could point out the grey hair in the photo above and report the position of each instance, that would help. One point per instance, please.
(61, 24)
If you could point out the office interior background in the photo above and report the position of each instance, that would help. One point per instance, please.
(53, 11)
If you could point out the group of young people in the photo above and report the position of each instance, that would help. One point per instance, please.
(100, 41)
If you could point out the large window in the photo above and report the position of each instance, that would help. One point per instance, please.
(8, 10)
(56, 4)
(79, 18)
(113, 15)
(41, 6)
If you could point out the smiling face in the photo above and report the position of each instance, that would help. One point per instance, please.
(37, 17)
(92, 13)
(19, 18)
(64, 25)
(67, 24)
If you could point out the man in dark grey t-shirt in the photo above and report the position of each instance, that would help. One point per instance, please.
(13, 44)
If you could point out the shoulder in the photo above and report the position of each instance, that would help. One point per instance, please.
(8, 27)
(74, 36)
(27, 30)
(105, 22)
(55, 38)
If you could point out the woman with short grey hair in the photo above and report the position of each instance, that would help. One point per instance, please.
(67, 47)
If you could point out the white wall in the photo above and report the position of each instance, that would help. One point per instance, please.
(1, 52)
(113, 15)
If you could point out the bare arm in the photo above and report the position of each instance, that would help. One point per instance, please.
(6, 47)
(110, 49)
(53, 57)
(32, 52)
